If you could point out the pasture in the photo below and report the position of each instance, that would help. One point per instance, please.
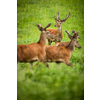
(39, 82)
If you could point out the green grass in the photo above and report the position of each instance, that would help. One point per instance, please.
(39, 82)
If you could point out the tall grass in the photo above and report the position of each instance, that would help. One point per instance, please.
(39, 82)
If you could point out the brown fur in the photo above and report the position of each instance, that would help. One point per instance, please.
(57, 32)
(57, 53)
(34, 51)
(62, 44)
(61, 53)
(67, 43)
(26, 53)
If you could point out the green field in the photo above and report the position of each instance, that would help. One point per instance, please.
(39, 82)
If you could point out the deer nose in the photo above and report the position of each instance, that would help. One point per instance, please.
(79, 47)
(79, 37)
(55, 26)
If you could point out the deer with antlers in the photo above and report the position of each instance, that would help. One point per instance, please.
(66, 43)
(57, 32)
(62, 53)
(34, 51)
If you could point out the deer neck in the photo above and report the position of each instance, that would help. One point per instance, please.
(59, 37)
(42, 40)
(60, 31)
(71, 46)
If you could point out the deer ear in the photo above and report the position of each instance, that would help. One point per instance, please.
(48, 25)
(78, 37)
(39, 27)
(70, 36)
(73, 31)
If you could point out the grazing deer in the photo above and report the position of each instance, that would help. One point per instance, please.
(62, 53)
(34, 51)
(57, 32)
(66, 43)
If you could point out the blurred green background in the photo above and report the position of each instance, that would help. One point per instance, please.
(39, 82)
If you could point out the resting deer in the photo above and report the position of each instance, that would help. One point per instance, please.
(34, 51)
(57, 32)
(62, 53)
(66, 43)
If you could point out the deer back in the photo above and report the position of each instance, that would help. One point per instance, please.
(62, 44)
(34, 51)
(57, 53)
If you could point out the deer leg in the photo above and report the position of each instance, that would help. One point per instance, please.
(68, 63)
(31, 64)
(36, 64)
(42, 60)
(46, 63)
(49, 42)
(56, 42)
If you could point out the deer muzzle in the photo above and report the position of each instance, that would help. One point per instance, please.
(79, 47)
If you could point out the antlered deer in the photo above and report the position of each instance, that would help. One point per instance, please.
(57, 32)
(34, 51)
(62, 53)
(66, 43)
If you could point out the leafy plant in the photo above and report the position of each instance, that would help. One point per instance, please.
(56, 83)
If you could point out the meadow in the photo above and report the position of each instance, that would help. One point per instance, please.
(39, 82)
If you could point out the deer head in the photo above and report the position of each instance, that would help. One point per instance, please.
(48, 35)
(59, 21)
(74, 39)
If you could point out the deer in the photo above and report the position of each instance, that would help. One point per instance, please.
(57, 32)
(66, 43)
(34, 51)
(60, 54)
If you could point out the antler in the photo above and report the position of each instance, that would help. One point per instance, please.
(47, 26)
(65, 18)
(67, 32)
(41, 28)
(73, 31)
(57, 18)
(70, 36)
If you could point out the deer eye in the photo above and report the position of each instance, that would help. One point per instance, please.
(47, 32)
